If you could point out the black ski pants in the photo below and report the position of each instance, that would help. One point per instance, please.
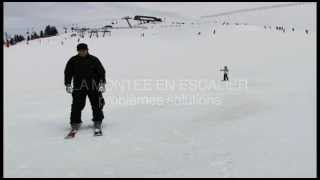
(79, 101)
(225, 77)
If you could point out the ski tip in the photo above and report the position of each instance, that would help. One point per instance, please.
(71, 135)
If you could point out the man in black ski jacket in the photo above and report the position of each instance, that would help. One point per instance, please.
(88, 77)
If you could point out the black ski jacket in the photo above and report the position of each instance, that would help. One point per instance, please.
(86, 72)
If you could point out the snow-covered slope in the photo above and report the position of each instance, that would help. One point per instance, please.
(265, 130)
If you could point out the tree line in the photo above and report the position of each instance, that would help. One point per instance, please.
(47, 32)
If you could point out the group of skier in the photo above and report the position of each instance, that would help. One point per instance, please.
(281, 28)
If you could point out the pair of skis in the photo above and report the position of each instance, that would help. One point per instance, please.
(73, 132)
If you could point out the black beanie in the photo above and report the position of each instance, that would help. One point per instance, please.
(82, 46)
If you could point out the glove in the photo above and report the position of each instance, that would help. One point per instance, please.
(102, 88)
(69, 89)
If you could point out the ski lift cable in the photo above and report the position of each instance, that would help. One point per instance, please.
(253, 9)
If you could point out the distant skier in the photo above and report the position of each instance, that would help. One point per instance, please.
(307, 31)
(214, 32)
(225, 74)
(7, 43)
(88, 77)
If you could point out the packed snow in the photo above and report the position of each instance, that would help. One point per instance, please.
(267, 129)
